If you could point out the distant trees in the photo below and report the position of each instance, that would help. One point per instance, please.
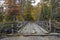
(1, 17)
(31, 12)
(34, 12)
(50, 9)
(27, 12)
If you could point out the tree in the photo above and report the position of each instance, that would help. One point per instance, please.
(45, 12)
(56, 12)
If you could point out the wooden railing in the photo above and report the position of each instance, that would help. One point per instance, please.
(55, 26)
(14, 26)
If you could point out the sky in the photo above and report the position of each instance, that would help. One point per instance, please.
(1, 2)
(36, 2)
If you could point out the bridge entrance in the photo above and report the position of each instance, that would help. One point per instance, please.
(30, 16)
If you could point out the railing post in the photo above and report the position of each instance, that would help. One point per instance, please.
(12, 29)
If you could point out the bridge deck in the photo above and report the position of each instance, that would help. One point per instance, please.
(33, 29)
